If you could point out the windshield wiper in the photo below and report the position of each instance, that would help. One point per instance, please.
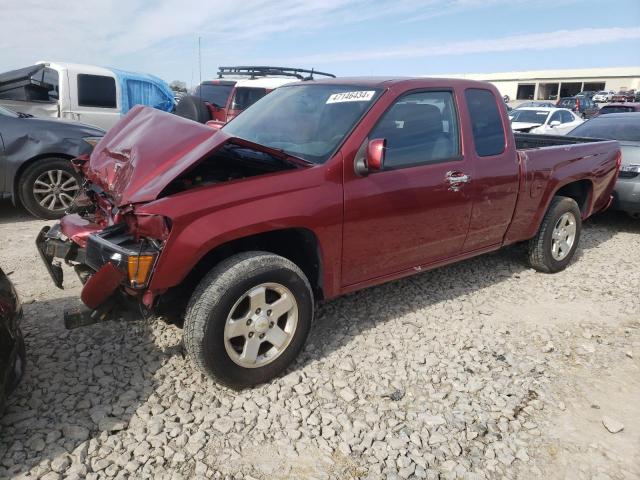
(24, 115)
(276, 152)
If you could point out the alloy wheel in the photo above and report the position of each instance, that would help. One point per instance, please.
(563, 236)
(55, 189)
(260, 325)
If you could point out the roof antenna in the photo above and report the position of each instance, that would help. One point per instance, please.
(200, 58)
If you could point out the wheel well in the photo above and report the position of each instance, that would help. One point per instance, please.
(297, 244)
(27, 164)
(580, 191)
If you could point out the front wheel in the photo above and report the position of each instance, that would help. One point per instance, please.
(552, 249)
(248, 319)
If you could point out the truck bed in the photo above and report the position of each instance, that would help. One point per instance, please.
(549, 161)
(527, 141)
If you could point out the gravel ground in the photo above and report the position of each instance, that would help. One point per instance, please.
(484, 369)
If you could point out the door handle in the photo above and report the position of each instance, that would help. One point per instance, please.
(457, 177)
(455, 180)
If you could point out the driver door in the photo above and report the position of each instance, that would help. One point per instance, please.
(413, 212)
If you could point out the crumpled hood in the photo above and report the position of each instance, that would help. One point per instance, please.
(145, 151)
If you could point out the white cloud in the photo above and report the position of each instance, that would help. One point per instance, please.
(160, 36)
(534, 41)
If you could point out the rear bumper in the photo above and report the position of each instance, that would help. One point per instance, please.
(627, 195)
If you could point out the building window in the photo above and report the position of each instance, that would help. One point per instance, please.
(526, 91)
(570, 89)
(593, 86)
(548, 91)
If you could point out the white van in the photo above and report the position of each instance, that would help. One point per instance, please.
(93, 95)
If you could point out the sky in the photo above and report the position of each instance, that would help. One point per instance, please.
(344, 37)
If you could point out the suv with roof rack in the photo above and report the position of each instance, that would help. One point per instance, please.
(216, 102)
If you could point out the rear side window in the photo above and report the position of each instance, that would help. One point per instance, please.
(214, 94)
(246, 96)
(486, 121)
(566, 117)
(96, 91)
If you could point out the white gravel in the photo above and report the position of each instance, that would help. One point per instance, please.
(484, 369)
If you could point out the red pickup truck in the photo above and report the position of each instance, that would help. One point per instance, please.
(318, 189)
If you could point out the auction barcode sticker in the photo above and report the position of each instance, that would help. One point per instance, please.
(361, 96)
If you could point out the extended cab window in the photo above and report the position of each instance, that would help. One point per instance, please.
(420, 128)
(96, 91)
(486, 121)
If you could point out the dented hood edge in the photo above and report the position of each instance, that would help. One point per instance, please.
(145, 151)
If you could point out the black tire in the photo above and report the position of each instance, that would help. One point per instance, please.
(27, 180)
(193, 108)
(540, 246)
(213, 301)
(14, 379)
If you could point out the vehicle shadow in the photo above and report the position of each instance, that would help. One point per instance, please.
(78, 385)
(333, 329)
(615, 221)
(9, 213)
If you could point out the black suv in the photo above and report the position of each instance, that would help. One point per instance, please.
(12, 351)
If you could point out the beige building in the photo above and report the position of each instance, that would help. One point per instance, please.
(552, 84)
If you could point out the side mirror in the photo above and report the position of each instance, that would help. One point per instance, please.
(555, 123)
(375, 154)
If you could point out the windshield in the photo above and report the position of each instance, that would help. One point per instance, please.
(8, 113)
(308, 121)
(214, 94)
(620, 127)
(528, 116)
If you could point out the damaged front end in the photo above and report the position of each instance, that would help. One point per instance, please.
(109, 237)
(115, 263)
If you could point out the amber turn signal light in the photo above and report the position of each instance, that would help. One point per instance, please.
(139, 268)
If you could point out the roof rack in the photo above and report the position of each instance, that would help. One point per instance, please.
(255, 72)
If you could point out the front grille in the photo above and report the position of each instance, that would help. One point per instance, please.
(108, 246)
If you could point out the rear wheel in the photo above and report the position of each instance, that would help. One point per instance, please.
(248, 319)
(552, 249)
(48, 186)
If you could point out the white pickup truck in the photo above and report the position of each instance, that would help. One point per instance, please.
(87, 93)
